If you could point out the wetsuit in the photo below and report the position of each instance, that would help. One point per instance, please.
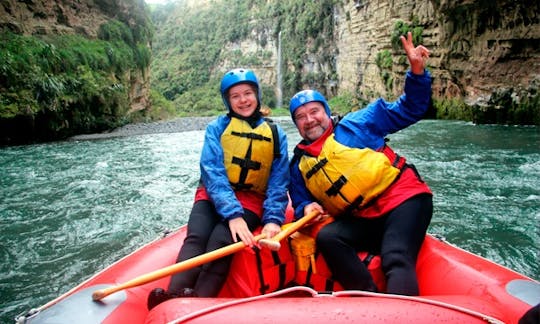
(394, 223)
(217, 200)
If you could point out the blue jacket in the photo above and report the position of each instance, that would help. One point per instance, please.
(368, 127)
(214, 176)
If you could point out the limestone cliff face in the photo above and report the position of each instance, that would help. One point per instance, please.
(367, 32)
(52, 17)
(480, 49)
(485, 54)
(83, 17)
(488, 47)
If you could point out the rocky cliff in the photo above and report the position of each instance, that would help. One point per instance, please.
(486, 53)
(71, 66)
(485, 59)
(83, 17)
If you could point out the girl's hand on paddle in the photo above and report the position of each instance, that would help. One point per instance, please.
(417, 55)
(270, 230)
(315, 207)
(239, 229)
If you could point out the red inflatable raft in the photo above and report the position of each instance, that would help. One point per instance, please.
(273, 287)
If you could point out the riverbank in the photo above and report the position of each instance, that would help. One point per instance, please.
(178, 125)
(184, 124)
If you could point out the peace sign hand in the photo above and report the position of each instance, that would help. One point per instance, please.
(417, 55)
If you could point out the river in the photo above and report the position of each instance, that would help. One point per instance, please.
(68, 209)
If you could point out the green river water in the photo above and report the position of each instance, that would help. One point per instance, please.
(69, 209)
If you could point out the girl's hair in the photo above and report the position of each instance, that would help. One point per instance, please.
(265, 111)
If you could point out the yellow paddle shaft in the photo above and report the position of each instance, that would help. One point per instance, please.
(175, 268)
(273, 243)
(204, 258)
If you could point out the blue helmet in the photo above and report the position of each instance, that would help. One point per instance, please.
(303, 97)
(237, 76)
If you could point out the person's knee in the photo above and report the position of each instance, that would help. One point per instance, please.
(325, 238)
(396, 260)
(531, 316)
(196, 238)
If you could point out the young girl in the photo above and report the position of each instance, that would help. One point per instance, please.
(244, 179)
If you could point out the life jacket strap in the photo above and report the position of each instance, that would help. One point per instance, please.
(282, 269)
(357, 202)
(309, 274)
(329, 283)
(246, 163)
(241, 186)
(368, 259)
(398, 161)
(263, 286)
(316, 168)
(336, 186)
(275, 136)
(252, 136)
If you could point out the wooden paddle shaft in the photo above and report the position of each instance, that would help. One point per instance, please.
(204, 258)
(175, 268)
(273, 243)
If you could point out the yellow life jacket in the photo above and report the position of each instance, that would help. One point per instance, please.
(248, 154)
(342, 178)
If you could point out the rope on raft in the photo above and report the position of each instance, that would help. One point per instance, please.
(346, 293)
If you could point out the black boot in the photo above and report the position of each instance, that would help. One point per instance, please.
(158, 296)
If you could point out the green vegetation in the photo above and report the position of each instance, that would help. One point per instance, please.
(64, 76)
(384, 58)
(504, 108)
(500, 109)
(307, 29)
(59, 85)
(402, 28)
(452, 109)
(197, 45)
(280, 112)
(345, 103)
(384, 63)
(159, 109)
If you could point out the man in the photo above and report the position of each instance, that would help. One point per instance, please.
(346, 171)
